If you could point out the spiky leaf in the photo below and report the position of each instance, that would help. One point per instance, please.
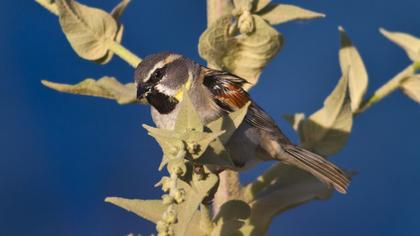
(150, 210)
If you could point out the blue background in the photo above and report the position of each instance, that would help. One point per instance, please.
(61, 155)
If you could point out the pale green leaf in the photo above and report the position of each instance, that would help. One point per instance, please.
(228, 123)
(203, 139)
(119, 9)
(209, 151)
(194, 196)
(260, 4)
(170, 143)
(278, 189)
(411, 87)
(217, 156)
(326, 131)
(188, 118)
(150, 210)
(116, 13)
(409, 43)
(231, 218)
(244, 55)
(108, 56)
(281, 13)
(89, 30)
(106, 87)
(350, 60)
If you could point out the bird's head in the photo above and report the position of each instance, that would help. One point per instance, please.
(161, 78)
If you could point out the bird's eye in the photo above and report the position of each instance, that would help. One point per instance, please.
(157, 75)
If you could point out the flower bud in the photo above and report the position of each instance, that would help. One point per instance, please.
(162, 227)
(179, 195)
(167, 200)
(170, 216)
(246, 23)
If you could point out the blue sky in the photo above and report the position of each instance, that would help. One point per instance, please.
(61, 155)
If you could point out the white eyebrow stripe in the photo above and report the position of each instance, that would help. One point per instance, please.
(161, 64)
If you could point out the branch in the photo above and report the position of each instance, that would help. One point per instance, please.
(388, 88)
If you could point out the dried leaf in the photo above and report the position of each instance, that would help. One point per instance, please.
(244, 55)
(326, 131)
(106, 87)
(150, 210)
(228, 123)
(411, 87)
(408, 42)
(89, 30)
(351, 60)
(281, 13)
(231, 218)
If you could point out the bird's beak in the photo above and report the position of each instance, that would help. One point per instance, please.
(142, 91)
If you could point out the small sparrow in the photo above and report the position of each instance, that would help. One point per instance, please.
(161, 79)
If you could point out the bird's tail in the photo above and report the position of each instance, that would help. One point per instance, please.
(318, 166)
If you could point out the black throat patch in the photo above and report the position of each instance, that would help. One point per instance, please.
(163, 103)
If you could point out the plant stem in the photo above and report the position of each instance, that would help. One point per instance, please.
(388, 88)
(114, 46)
(125, 54)
(229, 185)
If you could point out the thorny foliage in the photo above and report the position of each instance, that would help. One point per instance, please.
(242, 42)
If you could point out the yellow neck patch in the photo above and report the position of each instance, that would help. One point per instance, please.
(180, 94)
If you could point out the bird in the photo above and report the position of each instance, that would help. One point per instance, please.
(161, 80)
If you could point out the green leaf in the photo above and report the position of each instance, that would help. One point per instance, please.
(411, 87)
(188, 118)
(170, 143)
(150, 210)
(229, 123)
(209, 148)
(409, 43)
(89, 30)
(351, 60)
(202, 139)
(244, 55)
(106, 87)
(231, 218)
(282, 13)
(326, 131)
(285, 187)
(258, 5)
(194, 196)
(116, 13)
(108, 56)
